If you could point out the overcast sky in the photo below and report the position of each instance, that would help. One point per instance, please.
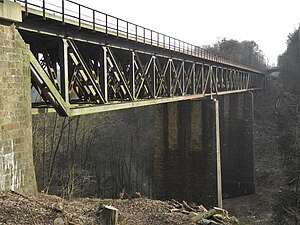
(202, 22)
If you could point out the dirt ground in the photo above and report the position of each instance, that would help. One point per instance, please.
(43, 209)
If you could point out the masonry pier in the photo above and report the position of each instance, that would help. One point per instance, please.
(237, 145)
(187, 154)
(16, 156)
(199, 140)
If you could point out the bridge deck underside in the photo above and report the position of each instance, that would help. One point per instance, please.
(77, 71)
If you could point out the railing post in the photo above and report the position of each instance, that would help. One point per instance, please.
(63, 11)
(79, 13)
(127, 30)
(94, 20)
(106, 23)
(117, 27)
(135, 32)
(26, 8)
(44, 10)
(174, 44)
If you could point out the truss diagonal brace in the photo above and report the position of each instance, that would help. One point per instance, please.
(93, 87)
(47, 87)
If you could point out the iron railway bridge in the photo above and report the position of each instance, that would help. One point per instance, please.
(85, 61)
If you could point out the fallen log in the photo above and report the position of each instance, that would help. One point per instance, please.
(209, 213)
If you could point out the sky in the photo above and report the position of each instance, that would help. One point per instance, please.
(204, 22)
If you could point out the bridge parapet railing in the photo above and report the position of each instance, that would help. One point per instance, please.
(66, 10)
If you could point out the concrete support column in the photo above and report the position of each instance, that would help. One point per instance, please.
(16, 156)
(211, 153)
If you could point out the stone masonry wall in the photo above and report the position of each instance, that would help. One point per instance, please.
(185, 153)
(16, 157)
(159, 153)
(236, 124)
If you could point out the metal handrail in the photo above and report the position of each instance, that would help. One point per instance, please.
(128, 30)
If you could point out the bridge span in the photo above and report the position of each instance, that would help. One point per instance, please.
(87, 61)
(84, 61)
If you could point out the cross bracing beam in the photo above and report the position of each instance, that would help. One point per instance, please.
(47, 89)
(101, 78)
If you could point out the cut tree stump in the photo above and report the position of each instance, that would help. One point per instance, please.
(109, 215)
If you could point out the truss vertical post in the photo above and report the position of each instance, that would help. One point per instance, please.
(153, 78)
(202, 78)
(132, 75)
(64, 70)
(194, 79)
(222, 79)
(103, 73)
(183, 78)
(248, 81)
(210, 77)
(169, 78)
(231, 75)
(216, 79)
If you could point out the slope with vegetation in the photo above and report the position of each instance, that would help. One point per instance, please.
(277, 145)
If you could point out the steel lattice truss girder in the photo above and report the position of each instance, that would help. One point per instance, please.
(84, 76)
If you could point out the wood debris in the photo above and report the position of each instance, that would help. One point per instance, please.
(200, 215)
